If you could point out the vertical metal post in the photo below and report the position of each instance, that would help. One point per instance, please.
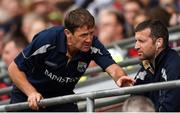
(90, 105)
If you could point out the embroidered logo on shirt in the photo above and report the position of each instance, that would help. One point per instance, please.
(164, 75)
(81, 66)
(60, 79)
(141, 75)
(95, 50)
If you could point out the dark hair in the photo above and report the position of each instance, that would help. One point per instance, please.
(119, 18)
(20, 42)
(158, 29)
(78, 18)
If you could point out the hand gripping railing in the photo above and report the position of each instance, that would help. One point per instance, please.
(94, 95)
(132, 61)
(89, 71)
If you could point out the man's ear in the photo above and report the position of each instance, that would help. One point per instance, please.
(159, 43)
(67, 33)
(69, 36)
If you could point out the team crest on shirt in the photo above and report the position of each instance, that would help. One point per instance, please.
(95, 50)
(81, 66)
(141, 75)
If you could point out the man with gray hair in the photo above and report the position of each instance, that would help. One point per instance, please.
(138, 104)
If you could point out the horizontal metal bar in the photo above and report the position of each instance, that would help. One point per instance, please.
(5, 90)
(124, 63)
(96, 94)
(177, 49)
(131, 45)
(102, 102)
(96, 69)
(132, 61)
(174, 29)
(130, 40)
(89, 71)
(5, 102)
(121, 42)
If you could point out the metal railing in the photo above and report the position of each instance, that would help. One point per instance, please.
(126, 43)
(97, 69)
(103, 102)
(174, 29)
(98, 102)
(5, 90)
(129, 42)
(90, 99)
(128, 62)
(94, 95)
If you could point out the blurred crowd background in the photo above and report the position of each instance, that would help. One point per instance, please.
(20, 20)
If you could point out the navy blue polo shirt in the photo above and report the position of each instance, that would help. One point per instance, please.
(46, 65)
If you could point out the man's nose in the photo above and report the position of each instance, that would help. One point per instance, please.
(89, 38)
(136, 46)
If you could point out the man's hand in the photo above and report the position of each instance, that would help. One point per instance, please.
(33, 100)
(119, 76)
(125, 81)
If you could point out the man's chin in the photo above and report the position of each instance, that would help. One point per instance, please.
(85, 50)
(141, 58)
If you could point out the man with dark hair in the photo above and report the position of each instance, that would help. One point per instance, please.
(12, 46)
(159, 63)
(55, 60)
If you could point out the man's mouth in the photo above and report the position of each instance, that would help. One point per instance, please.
(140, 53)
(86, 46)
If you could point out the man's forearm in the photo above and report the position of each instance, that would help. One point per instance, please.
(119, 76)
(19, 79)
(115, 71)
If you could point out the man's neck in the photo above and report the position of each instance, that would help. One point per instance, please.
(155, 56)
(71, 51)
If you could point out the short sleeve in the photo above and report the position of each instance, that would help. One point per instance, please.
(34, 52)
(100, 54)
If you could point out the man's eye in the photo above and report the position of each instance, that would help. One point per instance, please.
(84, 35)
(141, 41)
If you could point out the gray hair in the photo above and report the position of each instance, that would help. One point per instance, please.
(138, 104)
